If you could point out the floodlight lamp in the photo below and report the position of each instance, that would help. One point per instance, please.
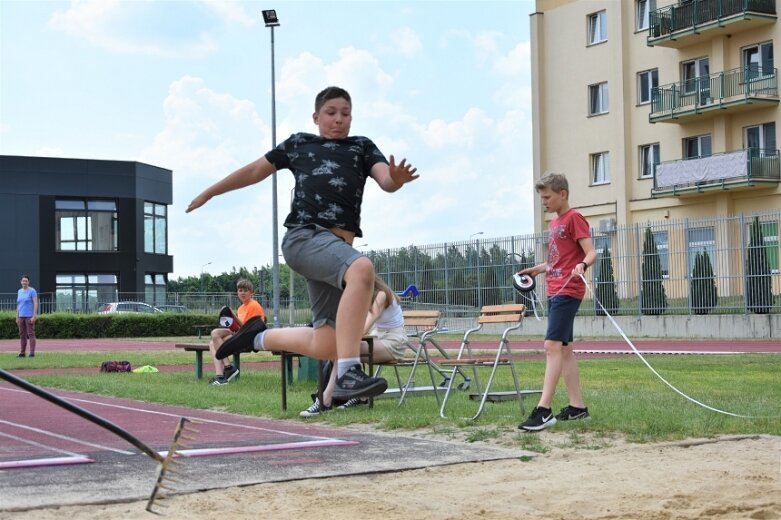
(270, 18)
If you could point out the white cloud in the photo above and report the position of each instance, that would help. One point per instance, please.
(231, 11)
(406, 42)
(103, 23)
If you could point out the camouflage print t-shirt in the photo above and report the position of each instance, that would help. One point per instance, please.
(330, 178)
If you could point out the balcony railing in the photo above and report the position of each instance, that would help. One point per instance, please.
(717, 91)
(747, 167)
(678, 20)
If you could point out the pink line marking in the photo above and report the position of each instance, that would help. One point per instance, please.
(205, 452)
(54, 461)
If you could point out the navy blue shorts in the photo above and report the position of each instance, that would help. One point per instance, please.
(561, 318)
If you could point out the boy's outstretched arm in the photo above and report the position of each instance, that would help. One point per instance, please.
(252, 173)
(392, 177)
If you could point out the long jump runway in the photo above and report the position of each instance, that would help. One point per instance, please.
(49, 456)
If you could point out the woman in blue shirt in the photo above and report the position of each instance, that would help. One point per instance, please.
(26, 314)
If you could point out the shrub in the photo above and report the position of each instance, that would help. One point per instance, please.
(653, 299)
(759, 289)
(606, 286)
(703, 285)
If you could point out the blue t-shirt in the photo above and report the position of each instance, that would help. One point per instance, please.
(24, 302)
(330, 178)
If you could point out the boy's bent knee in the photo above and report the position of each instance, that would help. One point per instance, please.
(360, 271)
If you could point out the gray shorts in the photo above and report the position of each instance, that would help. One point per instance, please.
(322, 258)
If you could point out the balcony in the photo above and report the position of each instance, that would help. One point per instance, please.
(691, 22)
(735, 90)
(744, 169)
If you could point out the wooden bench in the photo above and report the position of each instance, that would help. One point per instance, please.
(199, 349)
(207, 327)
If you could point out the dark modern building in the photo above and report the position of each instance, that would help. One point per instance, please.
(85, 231)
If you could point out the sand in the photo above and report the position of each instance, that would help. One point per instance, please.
(572, 478)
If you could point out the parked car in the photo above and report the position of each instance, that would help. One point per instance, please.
(127, 307)
(173, 308)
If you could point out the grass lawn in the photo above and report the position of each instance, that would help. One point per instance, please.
(624, 397)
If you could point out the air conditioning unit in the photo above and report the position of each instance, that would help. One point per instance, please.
(607, 225)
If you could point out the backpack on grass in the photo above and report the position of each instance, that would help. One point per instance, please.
(115, 366)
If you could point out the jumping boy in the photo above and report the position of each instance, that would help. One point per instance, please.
(330, 171)
(570, 253)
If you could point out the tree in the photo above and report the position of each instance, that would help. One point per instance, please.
(759, 289)
(703, 285)
(606, 286)
(653, 299)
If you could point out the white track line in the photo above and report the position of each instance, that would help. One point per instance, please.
(194, 419)
(39, 445)
(66, 438)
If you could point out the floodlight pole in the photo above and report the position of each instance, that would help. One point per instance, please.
(271, 21)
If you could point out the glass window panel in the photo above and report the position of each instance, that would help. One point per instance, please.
(662, 248)
(161, 209)
(69, 204)
(102, 205)
(148, 208)
(160, 232)
(149, 234)
(642, 14)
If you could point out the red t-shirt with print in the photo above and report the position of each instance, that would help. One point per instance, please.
(564, 253)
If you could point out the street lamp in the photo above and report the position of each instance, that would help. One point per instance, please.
(271, 21)
(202, 268)
(477, 251)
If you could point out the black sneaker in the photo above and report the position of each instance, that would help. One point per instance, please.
(21, 355)
(315, 409)
(230, 372)
(352, 403)
(572, 413)
(539, 419)
(32, 355)
(218, 381)
(242, 340)
(355, 384)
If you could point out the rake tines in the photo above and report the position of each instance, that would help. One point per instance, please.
(166, 470)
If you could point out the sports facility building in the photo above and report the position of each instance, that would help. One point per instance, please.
(84, 230)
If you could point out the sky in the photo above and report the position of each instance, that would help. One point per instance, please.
(186, 86)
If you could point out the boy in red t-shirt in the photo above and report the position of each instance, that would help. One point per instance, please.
(249, 308)
(570, 253)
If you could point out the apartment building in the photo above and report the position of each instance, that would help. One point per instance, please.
(657, 110)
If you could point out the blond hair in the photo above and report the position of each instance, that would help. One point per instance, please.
(557, 182)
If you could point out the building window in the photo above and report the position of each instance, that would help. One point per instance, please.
(155, 289)
(642, 11)
(696, 147)
(770, 241)
(600, 168)
(646, 82)
(86, 225)
(758, 61)
(155, 225)
(663, 249)
(649, 158)
(701, 240)
(696, 79)
(83, 292)
(763, 138)
(597, 99)
(597, 27)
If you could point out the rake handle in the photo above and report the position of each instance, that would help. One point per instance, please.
(95, 419)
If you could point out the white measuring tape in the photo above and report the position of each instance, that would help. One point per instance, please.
(662, 379)
(523, 285)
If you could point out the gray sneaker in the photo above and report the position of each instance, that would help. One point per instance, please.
(355, 384)
(218, 381)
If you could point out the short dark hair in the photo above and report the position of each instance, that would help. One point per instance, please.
(330, 93)
(245, 284)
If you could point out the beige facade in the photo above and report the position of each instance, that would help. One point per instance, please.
(716, 104)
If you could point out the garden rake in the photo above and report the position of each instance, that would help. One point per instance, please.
(164, 471)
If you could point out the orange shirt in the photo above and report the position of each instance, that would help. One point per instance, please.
(250, 309)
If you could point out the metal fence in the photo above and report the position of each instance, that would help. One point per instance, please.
(460, 277)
